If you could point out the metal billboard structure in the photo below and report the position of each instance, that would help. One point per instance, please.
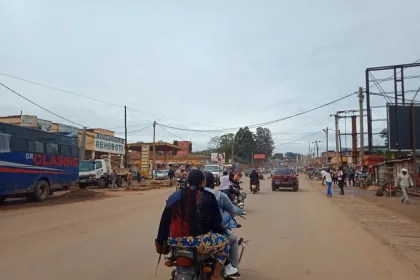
(397, 97)
(403, 123)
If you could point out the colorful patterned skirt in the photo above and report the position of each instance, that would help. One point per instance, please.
(210, 243)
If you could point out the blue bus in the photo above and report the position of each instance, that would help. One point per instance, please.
(34, 163)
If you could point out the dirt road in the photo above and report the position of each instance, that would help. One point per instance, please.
(295, 236)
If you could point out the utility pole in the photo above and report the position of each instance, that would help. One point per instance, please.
(337, 158)
(154, 149)
(326, 139)
(233, 162)
(316, 147)
(362, 144)
(126, 144)
(82, 145)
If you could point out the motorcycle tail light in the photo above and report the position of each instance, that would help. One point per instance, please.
(184, 261)
(207, 269)
(168, 263)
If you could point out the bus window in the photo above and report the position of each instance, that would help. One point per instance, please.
(65, 150)
(52, 148)
(17, 144)
(75, 151)
(36, 146)
(4, 142)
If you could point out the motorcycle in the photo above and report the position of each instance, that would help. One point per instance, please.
(254, 187)
(192, 266)
(189, 265)
(235, 195)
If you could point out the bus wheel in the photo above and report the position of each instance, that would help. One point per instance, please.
(41, 191)
(82, 186)
(2, 199)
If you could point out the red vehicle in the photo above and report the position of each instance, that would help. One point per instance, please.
(285, 178)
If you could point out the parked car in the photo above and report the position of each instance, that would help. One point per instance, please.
(285, 178)
(161, 174)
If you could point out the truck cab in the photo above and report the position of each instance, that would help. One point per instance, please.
(216, 170)
(97, 172)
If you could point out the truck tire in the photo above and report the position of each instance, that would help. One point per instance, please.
(101, 183)
(41, 191)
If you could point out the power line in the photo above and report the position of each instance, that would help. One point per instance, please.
(135, 130)
(264, 123)
(43, 108)
(299, 139)
(94, 99)
(127, 126)
(180, 137)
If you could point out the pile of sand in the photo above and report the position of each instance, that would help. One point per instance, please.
(80, 194)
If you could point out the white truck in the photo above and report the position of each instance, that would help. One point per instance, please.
(97, 172)
(216, 170)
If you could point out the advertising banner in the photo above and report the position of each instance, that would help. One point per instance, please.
(67, 128)
(28, 121)
(44, 125)
(218, 158)
(259, 156)
(109, 144)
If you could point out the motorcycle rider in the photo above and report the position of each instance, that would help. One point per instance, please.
(253, 177)
(192, 219)
(227, 210)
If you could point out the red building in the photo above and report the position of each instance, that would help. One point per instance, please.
(186, 148)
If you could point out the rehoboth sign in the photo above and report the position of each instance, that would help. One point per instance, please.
(109, 144)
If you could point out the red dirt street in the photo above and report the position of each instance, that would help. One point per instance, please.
(302, 235)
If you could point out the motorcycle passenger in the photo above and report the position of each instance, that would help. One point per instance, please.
(224, 181)
(238, 176)
(227, 210)
(254, 178)
(192, 219)
(227, 184)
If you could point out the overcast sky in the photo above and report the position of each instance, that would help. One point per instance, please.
(201, 64)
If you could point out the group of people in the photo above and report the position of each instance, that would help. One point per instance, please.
(328, 176)
(197, 216)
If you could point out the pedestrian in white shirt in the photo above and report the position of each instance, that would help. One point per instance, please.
(323, 176)
(328, 180)
(404, 181)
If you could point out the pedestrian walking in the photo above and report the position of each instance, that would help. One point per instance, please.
(404, 181)
(323, 177)
(138, 177)
(351, 177)
(113, 179)
(171, 175)
(328, 180)
(340, 179)
(129, 177)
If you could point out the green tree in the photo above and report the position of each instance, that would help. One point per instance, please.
(227, 142)
(384, 135)
(245, 143)
(215, 143)
(264, 142)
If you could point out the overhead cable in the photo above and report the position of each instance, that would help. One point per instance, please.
(298, 139)
(43, 108)
(261, 124)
